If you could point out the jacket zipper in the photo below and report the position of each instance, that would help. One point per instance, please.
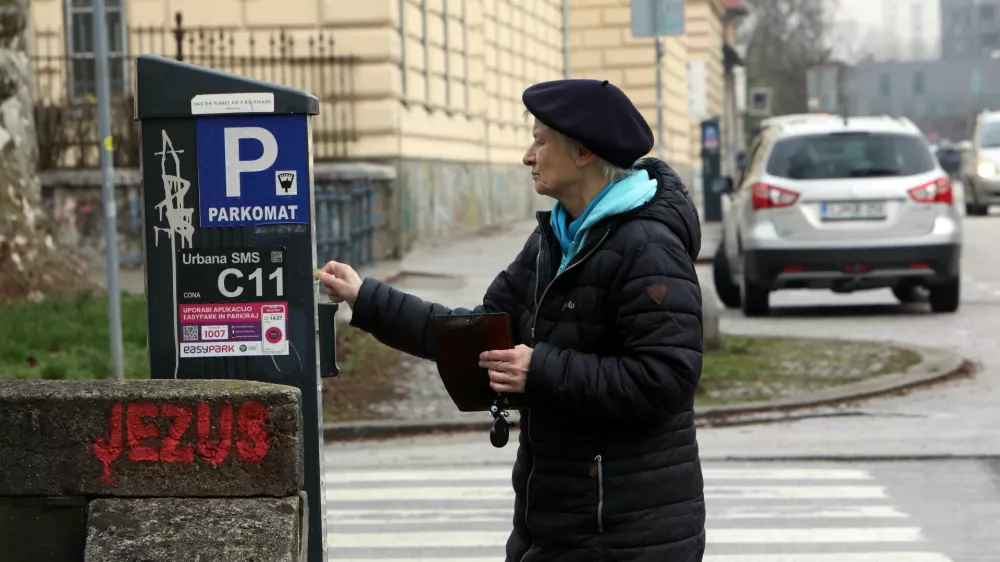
(600, 493)
(538, 303)
(534, 322)
(538, 276)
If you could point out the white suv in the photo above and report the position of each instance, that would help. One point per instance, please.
(840, 204)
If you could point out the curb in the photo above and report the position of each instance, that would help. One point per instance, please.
(938, 365)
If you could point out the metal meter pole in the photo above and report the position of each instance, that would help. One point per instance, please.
(107, 186)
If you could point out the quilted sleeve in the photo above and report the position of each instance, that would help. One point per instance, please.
(406, 322)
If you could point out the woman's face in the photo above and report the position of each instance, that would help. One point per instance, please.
(552, 169)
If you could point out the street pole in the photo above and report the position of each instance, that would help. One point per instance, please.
(107, 187)
(661, 141)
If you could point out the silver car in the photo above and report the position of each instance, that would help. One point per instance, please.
(981, 165)
(839, 204)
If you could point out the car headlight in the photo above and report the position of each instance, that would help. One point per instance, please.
(986, 169)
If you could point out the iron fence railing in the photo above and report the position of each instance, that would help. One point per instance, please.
(344, 225)
(66, 112)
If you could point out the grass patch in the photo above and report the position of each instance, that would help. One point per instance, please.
(765, 368)
(69, 339)
(369, 371)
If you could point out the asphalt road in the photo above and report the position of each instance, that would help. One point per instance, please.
(913, 478)
(957, 418)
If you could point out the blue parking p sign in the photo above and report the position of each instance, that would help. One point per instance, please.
(253, 170)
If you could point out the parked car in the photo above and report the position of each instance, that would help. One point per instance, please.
(950, 158)
(843, 205)
(981, 165)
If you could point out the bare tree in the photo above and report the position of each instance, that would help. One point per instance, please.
(31, 266)
(784, 38)
(854, 43)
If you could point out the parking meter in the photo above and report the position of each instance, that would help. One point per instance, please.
(230, 248)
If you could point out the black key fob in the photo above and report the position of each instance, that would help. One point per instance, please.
(500, 432)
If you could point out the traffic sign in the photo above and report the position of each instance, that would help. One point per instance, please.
(656, 18)
(250, 169)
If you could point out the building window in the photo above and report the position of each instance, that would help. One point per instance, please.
(990, 39)
(885, 84)
(919, 84)
(987, 11)
(82, 70)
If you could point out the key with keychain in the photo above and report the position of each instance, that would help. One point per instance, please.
(500, 430)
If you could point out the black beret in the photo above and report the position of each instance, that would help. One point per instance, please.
(594, 112)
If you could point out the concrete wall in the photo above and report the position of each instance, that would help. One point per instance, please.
(151, 470)
(440, 199)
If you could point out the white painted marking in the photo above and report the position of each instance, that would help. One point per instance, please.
(815, 535)
(802, 512)
(471, 539)
(794, 492)
(420, 493)
(504, 474)
(420, 539)
(846, 557)
(506, 492)
(445, 515)
(405, 516)
(785, 474)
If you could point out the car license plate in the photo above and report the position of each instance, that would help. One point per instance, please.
(866, 210)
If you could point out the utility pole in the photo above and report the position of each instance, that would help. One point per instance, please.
(106, 149)
(658, 19)
(659, 95)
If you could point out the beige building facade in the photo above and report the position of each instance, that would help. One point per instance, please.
(436, 84)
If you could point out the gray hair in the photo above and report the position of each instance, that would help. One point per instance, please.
(572, 148)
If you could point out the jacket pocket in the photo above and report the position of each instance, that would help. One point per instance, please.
(599, 474)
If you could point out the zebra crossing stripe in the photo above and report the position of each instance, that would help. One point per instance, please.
(504, 474)
(495, 492)
(448, 514)
(844, 557)
(467, 539)
(392, 516)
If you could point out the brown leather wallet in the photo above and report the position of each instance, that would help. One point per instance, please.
(461, 338)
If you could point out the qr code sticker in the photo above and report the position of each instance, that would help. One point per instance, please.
(190, 333)
(276, 256)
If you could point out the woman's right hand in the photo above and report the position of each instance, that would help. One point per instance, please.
(341, 282)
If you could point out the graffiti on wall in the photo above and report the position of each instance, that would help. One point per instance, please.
(172, 433)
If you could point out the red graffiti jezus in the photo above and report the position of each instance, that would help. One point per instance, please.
(133, 430)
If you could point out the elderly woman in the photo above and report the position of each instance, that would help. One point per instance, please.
(605, 308)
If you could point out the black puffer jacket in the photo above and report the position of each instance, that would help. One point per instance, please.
(607, 468)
